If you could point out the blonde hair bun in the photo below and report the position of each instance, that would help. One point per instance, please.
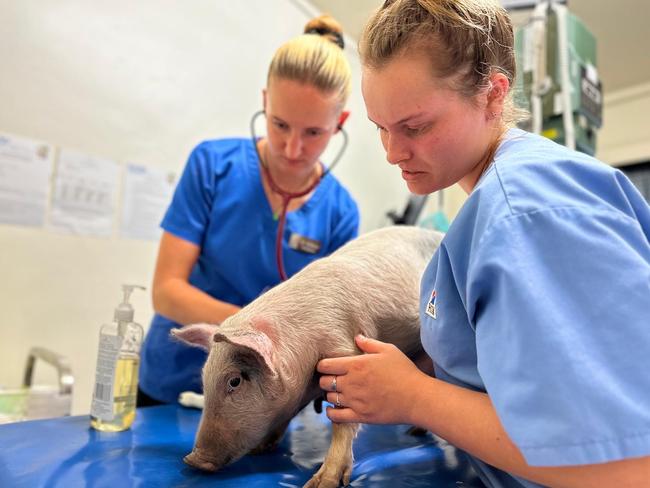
(325, 25)
(318, 60)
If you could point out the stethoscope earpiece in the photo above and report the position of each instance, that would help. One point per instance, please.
(344, 116)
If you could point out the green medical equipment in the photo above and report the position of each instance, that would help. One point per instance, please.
(557, 77)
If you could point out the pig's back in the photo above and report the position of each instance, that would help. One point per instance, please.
(397, 241)
(375, 281)
(370, 286)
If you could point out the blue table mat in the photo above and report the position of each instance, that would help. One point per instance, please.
(66, 452)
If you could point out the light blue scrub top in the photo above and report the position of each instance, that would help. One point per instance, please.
(542, 300)
(220, 205)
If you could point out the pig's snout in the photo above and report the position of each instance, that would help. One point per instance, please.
(198, 460)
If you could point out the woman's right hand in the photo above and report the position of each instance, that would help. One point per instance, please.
(373, 388)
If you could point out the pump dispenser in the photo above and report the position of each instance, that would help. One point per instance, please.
(118, 361)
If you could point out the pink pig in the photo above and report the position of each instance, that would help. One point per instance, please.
(260, 370)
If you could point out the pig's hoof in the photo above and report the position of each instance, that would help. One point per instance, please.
(330, 477)
(198, 462)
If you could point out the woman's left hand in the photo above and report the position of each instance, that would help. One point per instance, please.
(374, 388)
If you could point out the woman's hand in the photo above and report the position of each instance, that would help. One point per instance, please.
(374, 388)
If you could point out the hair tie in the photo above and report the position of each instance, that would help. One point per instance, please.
(321, 31)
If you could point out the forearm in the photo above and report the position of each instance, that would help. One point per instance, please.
(183, 303)
(468, 420)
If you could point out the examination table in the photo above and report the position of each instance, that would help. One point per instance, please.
(66, 452)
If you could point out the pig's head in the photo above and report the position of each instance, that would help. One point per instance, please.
(244, 395)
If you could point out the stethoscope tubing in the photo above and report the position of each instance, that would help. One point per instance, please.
(288, 196)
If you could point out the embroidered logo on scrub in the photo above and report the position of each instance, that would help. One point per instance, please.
(431, 306)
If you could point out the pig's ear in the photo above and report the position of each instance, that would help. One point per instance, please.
(199, 335)
(253, 341)
(266, 326)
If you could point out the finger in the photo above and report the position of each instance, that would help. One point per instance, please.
(333, 366)
(329, 383)
(370, 346)
(336, 399)
(342, 415)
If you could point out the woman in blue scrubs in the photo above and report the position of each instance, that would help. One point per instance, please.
(535, 309)
(218, 249)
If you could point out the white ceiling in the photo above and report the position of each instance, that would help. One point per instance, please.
(621, 28)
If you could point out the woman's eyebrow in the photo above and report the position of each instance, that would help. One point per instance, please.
(404, 120)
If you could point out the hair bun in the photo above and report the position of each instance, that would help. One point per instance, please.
(325, 25)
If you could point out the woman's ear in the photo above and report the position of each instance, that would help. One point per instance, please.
(497, 93)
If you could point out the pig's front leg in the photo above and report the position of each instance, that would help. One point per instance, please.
(337, 467)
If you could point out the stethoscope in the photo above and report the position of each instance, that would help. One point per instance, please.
(286, 195)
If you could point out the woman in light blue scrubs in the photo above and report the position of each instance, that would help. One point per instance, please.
(536, 308)
(222, 240)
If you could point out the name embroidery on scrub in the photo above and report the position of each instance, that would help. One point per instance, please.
(304, 244)
(431, 306)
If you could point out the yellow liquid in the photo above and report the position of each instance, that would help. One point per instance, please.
(125, 391)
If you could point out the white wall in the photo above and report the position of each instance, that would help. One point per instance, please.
(625, 136)
(141, 82)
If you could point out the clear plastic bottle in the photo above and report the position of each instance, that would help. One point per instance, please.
(118, 362)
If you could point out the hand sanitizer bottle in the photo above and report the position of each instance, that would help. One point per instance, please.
(118, 361)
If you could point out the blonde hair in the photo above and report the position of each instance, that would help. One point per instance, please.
(466, 41)
(316, 58)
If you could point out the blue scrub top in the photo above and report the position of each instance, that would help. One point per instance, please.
(540, 292)
(220, 205)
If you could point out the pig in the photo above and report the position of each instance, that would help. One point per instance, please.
(260, 371)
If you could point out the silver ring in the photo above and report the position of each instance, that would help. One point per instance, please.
(333, 385)
(337, 402)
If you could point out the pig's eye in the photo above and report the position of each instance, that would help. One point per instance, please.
(233, 383)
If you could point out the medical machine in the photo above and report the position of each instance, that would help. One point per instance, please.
(557, 78)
